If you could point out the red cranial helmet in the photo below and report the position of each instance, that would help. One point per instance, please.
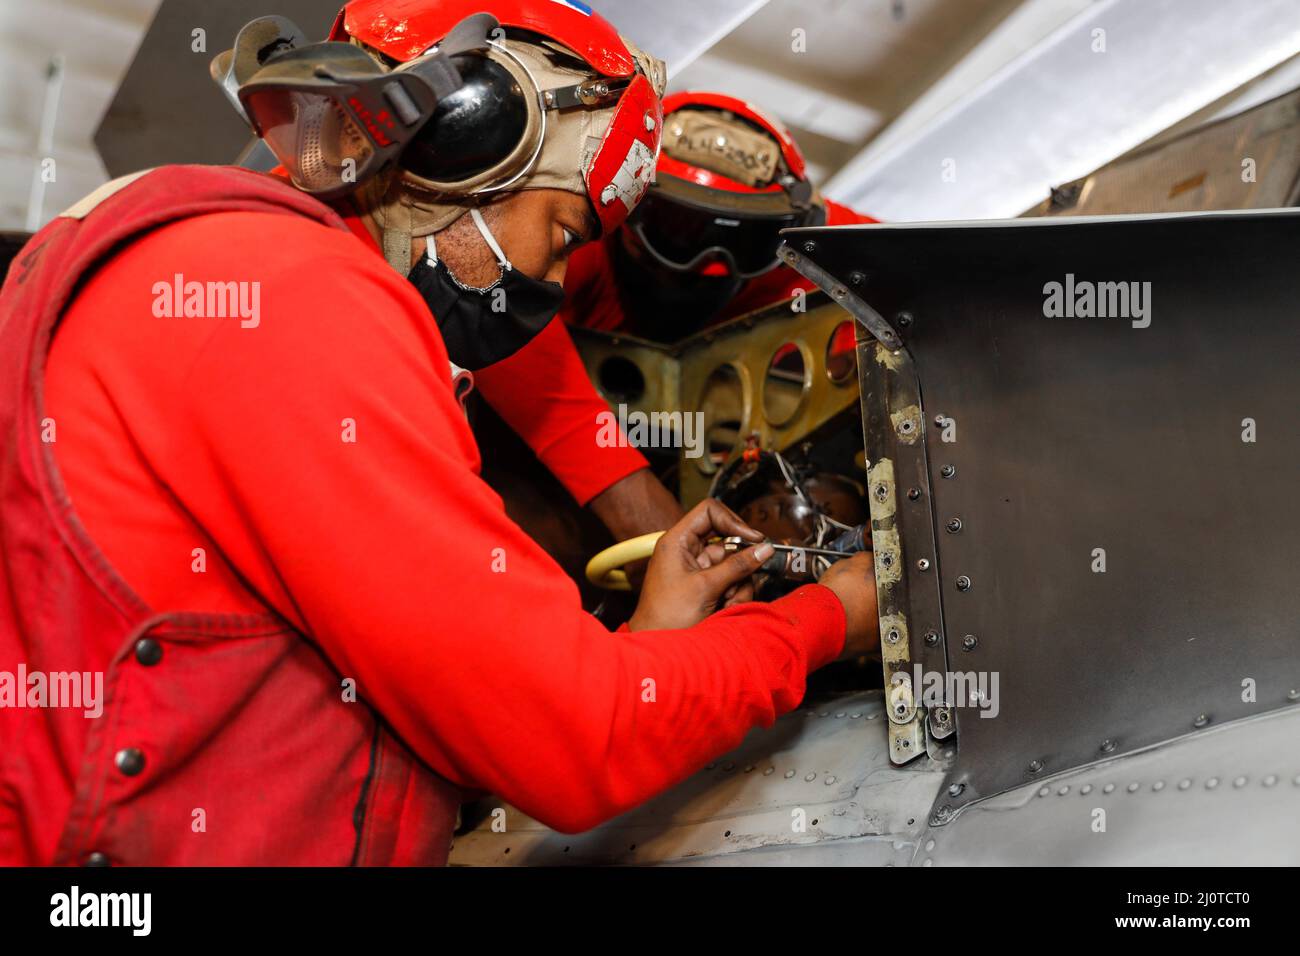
(730, 177)
(558, 99)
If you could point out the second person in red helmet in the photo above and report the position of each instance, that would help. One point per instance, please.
(699, 249)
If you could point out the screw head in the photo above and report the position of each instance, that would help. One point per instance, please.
(810, 246)
(1035, 766)
(963, 583)
(923, 564)
(947, 471)
(954, 525)
(956, 789)
(904, 319)
(1293, 694)
(1200, 721)
(1107, 746)
(857, 278)
(913, 493)
(931, 638)
(969, 642)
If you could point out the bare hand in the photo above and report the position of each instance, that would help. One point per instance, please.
(636, 505)
(854, 582)
(688, 578)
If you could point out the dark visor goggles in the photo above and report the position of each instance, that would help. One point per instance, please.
(684, 225)
(332, 114)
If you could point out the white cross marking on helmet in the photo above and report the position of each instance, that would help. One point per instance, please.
(632, 178)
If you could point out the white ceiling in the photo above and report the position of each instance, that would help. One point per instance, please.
(873, 76)
(96, 39)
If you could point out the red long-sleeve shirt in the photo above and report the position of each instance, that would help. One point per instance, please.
(320, 462)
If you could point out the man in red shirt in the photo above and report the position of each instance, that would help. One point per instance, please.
(701, 249)
(239, 499)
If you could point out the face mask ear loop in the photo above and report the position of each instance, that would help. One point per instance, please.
(490, 240)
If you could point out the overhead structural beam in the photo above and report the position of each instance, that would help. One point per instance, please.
(1109, 79)
(676, 31)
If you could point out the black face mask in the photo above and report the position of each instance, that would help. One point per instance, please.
(483, 326)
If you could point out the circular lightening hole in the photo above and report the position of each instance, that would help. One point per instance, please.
(785, 384)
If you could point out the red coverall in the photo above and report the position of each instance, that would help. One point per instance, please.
(385, 555)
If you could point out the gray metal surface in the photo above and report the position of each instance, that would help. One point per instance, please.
(1225, 797)
(168, 109)
(829, 760)
(1064, 108)
(1078, 434)
(1247, 161)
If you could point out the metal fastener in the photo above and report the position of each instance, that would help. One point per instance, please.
(1107, 746)
(923, 564)
(956, 789)
(913, 493)
(1035, 766)
(1200, 721)
(904, 319)
(963, 583)
(931, 638)
(947, 471)
(954, 525)
(148, 651)
(810, 246)
(969, 641)
(130, 761)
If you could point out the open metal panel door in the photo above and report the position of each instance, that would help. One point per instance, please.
(1097, 510)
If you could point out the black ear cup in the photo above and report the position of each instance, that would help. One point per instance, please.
(472, 130)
